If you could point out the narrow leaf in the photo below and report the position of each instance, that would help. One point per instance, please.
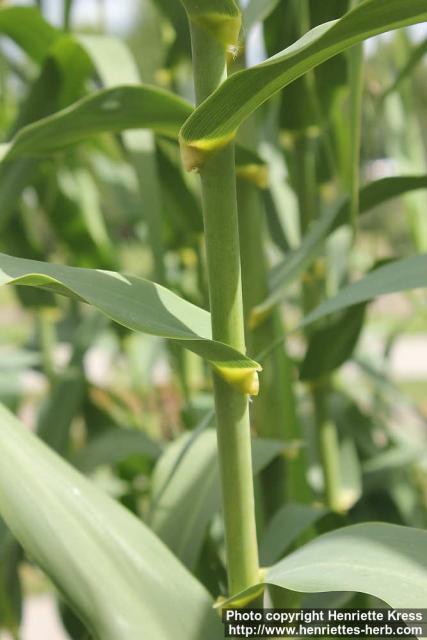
(372, 195)
(417, 54)
(217, 119)
(108, 110)
(26, 27)
(400, 275)
(133, 302)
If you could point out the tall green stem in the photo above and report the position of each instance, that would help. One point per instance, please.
(313, 291)
(274, 410)
(225, 292)
(328, 447)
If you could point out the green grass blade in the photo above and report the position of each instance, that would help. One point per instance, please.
(118, 577)
(370, 196)
(416, 55)
(216, 120)
(108, 110)
(133, 302)
(400, 275)
(26, 27)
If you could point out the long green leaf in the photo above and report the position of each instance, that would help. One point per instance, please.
(135, 303)
(370, 196)
(401, 275)
(217, 119)
(26, 27)
(386, 561)
(417, 54)
(119, 578)
(108, 110)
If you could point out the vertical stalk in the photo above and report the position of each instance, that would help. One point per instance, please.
(47, 339)
(68, 5)
(328, 446)
(274, 410)
(225, 292)
(313, 289)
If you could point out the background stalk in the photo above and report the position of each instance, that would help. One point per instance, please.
(225, 293)
(274, 410)
(313, 293)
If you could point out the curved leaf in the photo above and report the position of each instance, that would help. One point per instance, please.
(135, 303)
(400, 275)
(217, 119)
(26, 27)
(119, 578)
(386, 561)
(108, 110)
(112, 110)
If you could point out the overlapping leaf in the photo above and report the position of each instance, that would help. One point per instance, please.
(26, 27)
(118, 577)
(216, 120)
(108, 110)
(383, 560)
(132, 302)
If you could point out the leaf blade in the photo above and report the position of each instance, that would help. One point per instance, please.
(135, 303)
(216, 120)
(401, 275)
(94, 550)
